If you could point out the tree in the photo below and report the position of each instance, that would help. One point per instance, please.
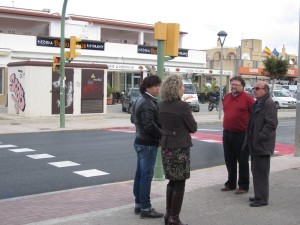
(209, 89)
(276, 68)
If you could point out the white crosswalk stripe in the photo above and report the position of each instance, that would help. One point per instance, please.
(64, 164)
(40, 156)
(17, 150)
(7, 146)
(91, 173)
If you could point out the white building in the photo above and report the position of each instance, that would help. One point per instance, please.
(116, 52)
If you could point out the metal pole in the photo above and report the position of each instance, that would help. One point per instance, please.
(221, 88)
(158, 169)
(297, 128)
(62, 66)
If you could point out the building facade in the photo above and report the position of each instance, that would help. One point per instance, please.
(247, 60)
(127, 49)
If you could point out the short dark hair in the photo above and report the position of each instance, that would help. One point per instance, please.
(149, 82)
(240, 79)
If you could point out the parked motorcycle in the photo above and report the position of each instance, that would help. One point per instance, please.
(213, 101)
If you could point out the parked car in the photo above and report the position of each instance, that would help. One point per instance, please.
(128, 98)
(288, 92)
(283, 100)
(190, 95)
(249, 90)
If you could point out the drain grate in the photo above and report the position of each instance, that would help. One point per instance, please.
(45, 129)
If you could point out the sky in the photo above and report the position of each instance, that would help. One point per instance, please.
(275, 22)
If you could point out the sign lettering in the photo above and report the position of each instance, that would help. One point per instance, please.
(55, 42)
(153, 51)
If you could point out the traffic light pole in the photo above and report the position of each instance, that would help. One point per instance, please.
(297, 128)
(158, 169)
(62, 66)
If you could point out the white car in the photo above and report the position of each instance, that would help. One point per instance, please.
(283, 100)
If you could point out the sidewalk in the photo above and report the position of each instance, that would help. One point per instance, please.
(114, 118)
(110, 204)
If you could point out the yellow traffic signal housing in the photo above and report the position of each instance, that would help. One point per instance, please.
(160, 31)
(67, 55)
(56, 64)
(73, 46)
(171, 44)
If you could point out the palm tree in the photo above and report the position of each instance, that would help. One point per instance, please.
(209, 89)
(276, 68)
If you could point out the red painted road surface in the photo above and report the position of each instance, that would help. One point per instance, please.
(280, 149)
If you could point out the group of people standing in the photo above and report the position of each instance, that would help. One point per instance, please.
(169, 124)
(249, 129)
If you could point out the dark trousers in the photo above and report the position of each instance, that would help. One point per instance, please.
(233, 154)
(260, 168)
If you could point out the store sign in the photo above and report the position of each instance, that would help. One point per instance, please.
(122, 67)
(142, 49)
(55, 42)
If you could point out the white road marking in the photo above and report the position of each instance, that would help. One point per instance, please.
(90, 173)
(17, 150)
(208, 130)
(211, 141)
(40, 156)
(64, 164)
(7, 146)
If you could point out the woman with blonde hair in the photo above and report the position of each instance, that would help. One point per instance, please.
(177, 122)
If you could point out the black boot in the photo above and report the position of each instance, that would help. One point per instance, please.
(177, 200)
(169, 195)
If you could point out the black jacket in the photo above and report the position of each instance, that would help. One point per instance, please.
(144, 115)
(177, 123)
(262, 125)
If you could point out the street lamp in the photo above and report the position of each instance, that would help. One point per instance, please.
(222, 36)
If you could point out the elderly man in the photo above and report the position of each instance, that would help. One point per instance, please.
(260, 142)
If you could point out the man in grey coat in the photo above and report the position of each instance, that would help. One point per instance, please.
(260, 141)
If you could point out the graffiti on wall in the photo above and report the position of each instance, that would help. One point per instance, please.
(92, 91)
(92, 84)
(69, 92)
(18, 93)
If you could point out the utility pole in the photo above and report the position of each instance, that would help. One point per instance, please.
(167, 36)
(297, 129)
(62, 66)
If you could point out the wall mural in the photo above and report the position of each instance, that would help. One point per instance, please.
(69, 92)
(18, 93)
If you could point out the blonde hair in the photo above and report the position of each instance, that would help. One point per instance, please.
(170, 87)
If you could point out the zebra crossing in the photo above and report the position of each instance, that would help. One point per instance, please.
(50, 160)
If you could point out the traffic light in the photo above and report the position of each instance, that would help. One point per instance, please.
(56, 64)
(73, 46)
(171, 44)
(160, 31)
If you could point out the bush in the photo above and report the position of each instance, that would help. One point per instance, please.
(110, 90)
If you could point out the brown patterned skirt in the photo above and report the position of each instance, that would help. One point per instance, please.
(176, 163)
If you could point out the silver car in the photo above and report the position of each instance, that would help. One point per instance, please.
(128, 98)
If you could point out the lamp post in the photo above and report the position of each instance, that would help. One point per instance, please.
(222, 36)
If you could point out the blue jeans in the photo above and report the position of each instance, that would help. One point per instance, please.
(146, 157)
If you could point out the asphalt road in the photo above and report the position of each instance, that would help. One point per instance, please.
(99, 150)
(107, 155)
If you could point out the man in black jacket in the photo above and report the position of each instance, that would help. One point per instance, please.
(260, 141)
(145, 118)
